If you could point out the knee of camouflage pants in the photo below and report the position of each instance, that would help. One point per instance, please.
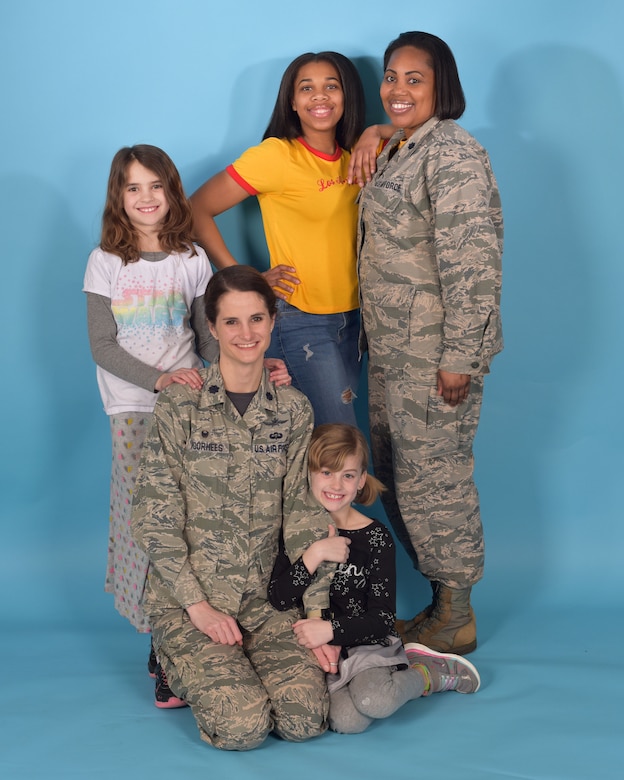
(292, 677)
(229, 703)
(234, 717)
(239, 694)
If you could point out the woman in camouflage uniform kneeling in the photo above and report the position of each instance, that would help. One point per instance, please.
(224, 468)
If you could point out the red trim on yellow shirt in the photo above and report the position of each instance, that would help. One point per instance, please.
(231, 170)
(323, 155)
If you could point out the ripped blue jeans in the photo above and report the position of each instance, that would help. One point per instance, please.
(321, 353)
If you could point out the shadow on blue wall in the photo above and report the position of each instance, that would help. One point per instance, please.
(560, 206)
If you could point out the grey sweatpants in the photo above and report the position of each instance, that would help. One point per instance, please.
(371, 694)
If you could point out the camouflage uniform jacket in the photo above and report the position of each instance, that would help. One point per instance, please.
(212, 491)
(430, 244)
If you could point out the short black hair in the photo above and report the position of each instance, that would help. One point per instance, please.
(450, 100)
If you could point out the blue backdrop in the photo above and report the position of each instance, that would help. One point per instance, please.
(544, 88)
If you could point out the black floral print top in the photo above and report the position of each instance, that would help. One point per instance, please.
(363, 591)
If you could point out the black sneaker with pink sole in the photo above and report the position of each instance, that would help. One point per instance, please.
(164, 697)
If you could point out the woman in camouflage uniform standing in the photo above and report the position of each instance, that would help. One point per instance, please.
(430, 245)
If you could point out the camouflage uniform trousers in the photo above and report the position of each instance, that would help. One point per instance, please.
(422, 452)
(239, 694)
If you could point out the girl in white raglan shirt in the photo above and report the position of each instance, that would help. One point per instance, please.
(144, 285)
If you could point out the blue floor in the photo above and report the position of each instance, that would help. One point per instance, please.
(78, 704)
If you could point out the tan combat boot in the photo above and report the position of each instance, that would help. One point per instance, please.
(450, 626)
(405, 626)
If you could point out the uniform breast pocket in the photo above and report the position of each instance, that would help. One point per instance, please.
(269, 452)
(267, 471)
(207, 462)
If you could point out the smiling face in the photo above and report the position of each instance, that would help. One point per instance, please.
(144, 199)
(337, 490)
(243, 328)
(318, 100)
(408, 89)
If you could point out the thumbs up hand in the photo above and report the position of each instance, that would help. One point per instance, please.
(333, 548)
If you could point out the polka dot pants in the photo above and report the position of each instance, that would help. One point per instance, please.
(127, 563)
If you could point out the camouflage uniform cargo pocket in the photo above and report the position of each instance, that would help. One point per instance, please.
(387, 319)
(421, 423)
(267, 557)
(404, 326)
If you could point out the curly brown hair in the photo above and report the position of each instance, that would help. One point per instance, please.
(119, 236)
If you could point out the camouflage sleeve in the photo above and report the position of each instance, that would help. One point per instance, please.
(468, 247)
(304, 521)
(158, 514)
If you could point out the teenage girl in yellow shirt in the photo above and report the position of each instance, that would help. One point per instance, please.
(299, 173)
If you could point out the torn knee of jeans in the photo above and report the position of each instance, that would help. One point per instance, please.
(348, 396)
(308, 351)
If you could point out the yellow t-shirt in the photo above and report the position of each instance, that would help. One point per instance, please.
(310, 217)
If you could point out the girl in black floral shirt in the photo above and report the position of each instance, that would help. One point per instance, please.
(370, 674)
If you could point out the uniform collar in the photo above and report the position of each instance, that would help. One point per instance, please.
(213, 392)
(416, 137)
